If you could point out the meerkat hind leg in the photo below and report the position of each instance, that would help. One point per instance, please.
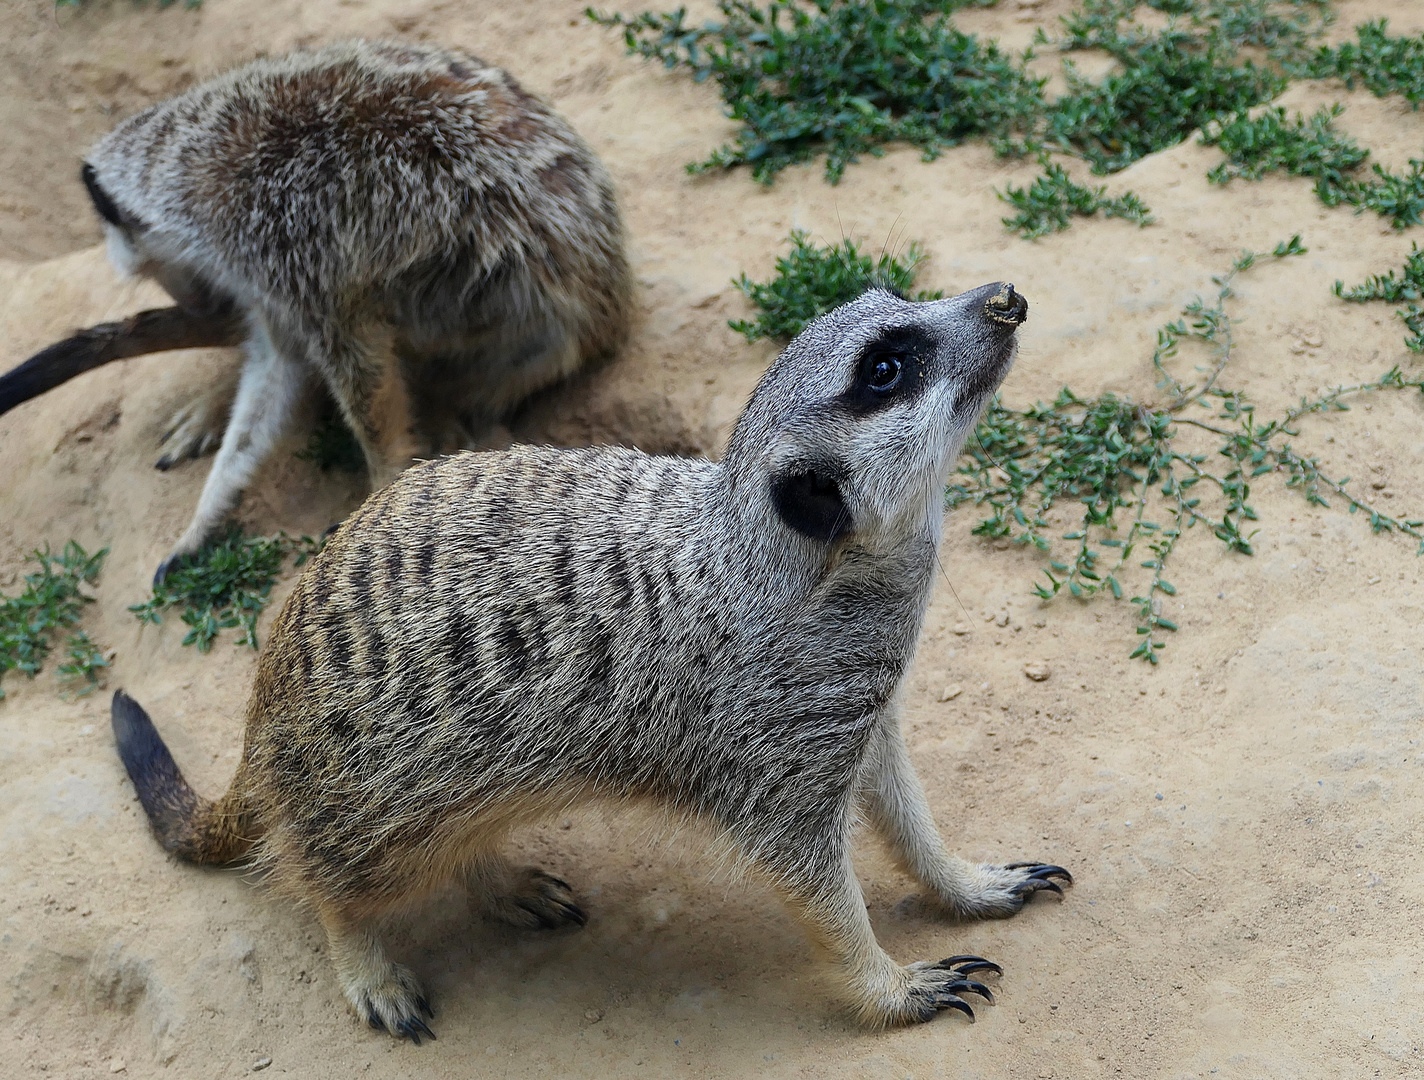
(196, 427)
(886, 994)
(364, 375)
(523, 896)
(901, 813)
(386, 995)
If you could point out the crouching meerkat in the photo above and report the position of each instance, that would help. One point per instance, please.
(390, 217)
(498, 636)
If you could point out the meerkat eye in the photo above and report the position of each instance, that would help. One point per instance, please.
(881, 370)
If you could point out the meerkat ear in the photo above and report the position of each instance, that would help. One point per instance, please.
(99, 197)
(809, 501)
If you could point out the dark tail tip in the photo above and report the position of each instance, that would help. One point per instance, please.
(167, 799)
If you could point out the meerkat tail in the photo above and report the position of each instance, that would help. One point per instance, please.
(192, 827)
(158, 330)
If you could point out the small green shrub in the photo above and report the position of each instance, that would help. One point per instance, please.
(1053, 199)
(51, 601)
(840, 78)
(225, 585)
(1384, 65)
(1406, 287)
(1270, 143)
(814, 278)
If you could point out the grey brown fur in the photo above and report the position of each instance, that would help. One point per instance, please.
(391, 217)
(498, 636)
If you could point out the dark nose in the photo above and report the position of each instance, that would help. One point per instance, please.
(1006, 306)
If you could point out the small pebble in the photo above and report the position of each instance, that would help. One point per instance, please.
(952, 691)
(118, 1065)
(963, 628)
(260, 1064)
(1037, 670)
(593, 1016)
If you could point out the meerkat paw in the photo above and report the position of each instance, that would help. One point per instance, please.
(194, 430)
(996, 892)
(535, 900)
(925, 989)
(394, 1002)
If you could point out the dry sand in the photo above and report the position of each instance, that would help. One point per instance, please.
(1242, 821)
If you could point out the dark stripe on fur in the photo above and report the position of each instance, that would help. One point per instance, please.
(147, 332)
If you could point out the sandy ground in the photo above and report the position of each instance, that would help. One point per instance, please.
(1242, 821)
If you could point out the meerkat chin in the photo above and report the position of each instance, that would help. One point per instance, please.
(496, 637)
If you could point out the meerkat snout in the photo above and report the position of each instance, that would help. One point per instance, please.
(497, 637)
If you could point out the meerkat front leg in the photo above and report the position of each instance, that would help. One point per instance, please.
(897, 806)
(386, 995)
(884, 993)
(267, 392)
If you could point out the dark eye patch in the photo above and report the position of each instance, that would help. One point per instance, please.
(891, 367)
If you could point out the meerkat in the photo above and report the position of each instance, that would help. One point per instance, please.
(498, 636)
(385, 217)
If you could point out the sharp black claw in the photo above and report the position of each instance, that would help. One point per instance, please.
(376, 1022)
(163, 464)
(978, 965)
(161, 572)
(575, 913)
(407, 1028)
(418, 1024)
(424, 1007)
(966, 958)
(561, 883)
(956, 1003)
(1050, 872)
(961, 986)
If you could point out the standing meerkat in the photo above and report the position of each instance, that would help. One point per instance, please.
(390, 217)
(498, 636)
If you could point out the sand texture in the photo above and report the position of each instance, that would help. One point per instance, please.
(1243, 821)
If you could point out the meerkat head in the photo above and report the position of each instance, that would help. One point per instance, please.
(854, 428)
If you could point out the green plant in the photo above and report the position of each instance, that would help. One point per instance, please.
(84, 663)
(1384, 65)
(1124, 462)
(1406, 288)
(1173, 80)
(840, 78)
(225, 585)
(812, 279)
(52, 601)
(1047, 205)
(1267, 143)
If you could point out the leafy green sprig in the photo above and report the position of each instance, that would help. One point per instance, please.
(1123, 461)
(1053, 199)
(1405, 287)
(51, 602)
(811, 279)
(224, 586)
